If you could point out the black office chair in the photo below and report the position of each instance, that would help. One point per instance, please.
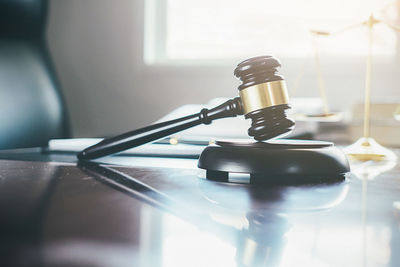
(32, 110)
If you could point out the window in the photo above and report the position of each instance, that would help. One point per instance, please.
(188, 30)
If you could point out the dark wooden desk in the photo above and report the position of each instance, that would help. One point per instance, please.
(160, 212)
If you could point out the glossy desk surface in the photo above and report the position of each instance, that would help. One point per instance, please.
(161, 212)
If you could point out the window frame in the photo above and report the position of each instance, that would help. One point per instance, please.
(155, 43)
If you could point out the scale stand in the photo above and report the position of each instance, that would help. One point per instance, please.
(366, 148)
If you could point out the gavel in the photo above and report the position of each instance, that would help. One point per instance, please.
(263, 98)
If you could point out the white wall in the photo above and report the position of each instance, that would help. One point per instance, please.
(97, 47)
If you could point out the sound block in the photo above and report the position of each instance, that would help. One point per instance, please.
(278, 161)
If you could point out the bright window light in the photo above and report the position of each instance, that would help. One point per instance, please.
(226, 29)
(208, 250)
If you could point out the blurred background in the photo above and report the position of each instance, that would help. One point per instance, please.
(124, 64)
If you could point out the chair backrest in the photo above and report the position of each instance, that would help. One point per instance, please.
(32, 109)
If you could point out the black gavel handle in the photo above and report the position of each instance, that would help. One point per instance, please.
(230, 108)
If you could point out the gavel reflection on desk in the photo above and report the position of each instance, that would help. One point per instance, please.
(263, 98)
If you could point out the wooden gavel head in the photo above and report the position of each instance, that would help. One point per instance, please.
(264, 97)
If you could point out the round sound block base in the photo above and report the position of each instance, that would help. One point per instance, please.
(281, 161)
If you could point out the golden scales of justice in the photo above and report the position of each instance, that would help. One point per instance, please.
(365, 148)
(327, 115)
